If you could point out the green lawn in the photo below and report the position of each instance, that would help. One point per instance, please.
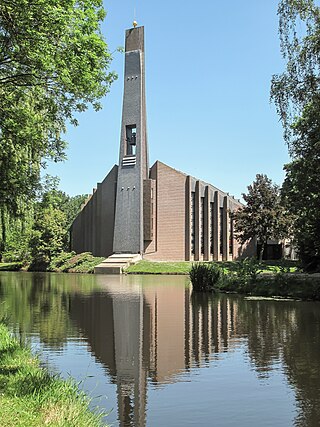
(152, 267)
(31, 396)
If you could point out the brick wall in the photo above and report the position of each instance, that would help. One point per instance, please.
(92, 230)
(170, 210)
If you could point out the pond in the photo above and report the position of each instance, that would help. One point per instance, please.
(151, 353)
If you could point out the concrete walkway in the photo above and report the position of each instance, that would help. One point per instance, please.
(115, 263)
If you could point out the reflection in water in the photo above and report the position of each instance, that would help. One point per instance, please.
(157, 332)
(152, 331)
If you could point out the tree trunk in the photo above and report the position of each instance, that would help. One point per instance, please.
(3, 232)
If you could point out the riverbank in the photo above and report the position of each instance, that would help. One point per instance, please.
(285, 285)
(65, 262)
(275, 278)
(10, 266)
(184, 267)
(250, 277)
(31, 396)
(69, 262)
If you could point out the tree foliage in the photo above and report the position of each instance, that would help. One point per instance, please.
(43, 230)
(299, 85)
(296, 94)
(53, 63)
(50, 231)
(301, 189)
(263, 217)
(48, 236)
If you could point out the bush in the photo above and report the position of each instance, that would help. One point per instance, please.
(60, 262)
(244, 277)
(205, 276)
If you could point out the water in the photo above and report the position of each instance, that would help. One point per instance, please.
(151, 353)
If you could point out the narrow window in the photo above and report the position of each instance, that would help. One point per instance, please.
(193, 221)
(221, 231)
(211, 227)
(131, 139)
(231, 236)
(202, 225)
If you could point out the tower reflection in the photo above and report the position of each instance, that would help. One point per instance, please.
(150, 331)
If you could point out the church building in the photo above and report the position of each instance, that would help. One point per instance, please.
(158, 212)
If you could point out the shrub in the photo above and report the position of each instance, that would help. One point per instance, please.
(58, 262)
(244, 277)
(205, 276)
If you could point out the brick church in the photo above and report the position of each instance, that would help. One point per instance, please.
(158, 212)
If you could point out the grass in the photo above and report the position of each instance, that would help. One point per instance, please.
(70, 262)
(11, 266)
(153, 267)
(205, 276)
(304, 286)
(184, 267)
(31, 396)
(65, 262)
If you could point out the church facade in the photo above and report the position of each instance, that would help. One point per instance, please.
(158, 212)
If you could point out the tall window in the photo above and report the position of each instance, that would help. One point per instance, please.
(211, 227)
(221, 230)
(231, 236)
(193, 220)
(131, 140)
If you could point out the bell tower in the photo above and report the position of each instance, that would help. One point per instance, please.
(133, 157)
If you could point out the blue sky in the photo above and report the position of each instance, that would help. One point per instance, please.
(208, 71)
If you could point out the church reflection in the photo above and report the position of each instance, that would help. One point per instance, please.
(150, 333)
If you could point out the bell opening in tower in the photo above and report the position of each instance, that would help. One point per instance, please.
(131, 139)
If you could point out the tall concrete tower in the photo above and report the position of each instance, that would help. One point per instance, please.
(133, 159)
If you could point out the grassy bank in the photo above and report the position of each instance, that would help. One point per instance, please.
(10, 266)
(248, 277)
(31, 396)
(297, 286)
(70, 262)
(152, 267)
(66, 262)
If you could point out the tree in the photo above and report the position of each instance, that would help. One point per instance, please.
(42, 231)
(53, 63)
(299, 86)
(296, 94)
(54, 214)
(301, 189)
(263, 217)
(48, 236)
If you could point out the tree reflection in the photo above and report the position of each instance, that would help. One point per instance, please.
(152, 330)
(36, 302)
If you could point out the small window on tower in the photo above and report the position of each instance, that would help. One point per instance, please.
(131, 139)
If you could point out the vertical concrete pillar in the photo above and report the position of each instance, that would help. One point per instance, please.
(188, 220)
(206, 228)
(197, 248)
(225, 228)
(216, 222)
